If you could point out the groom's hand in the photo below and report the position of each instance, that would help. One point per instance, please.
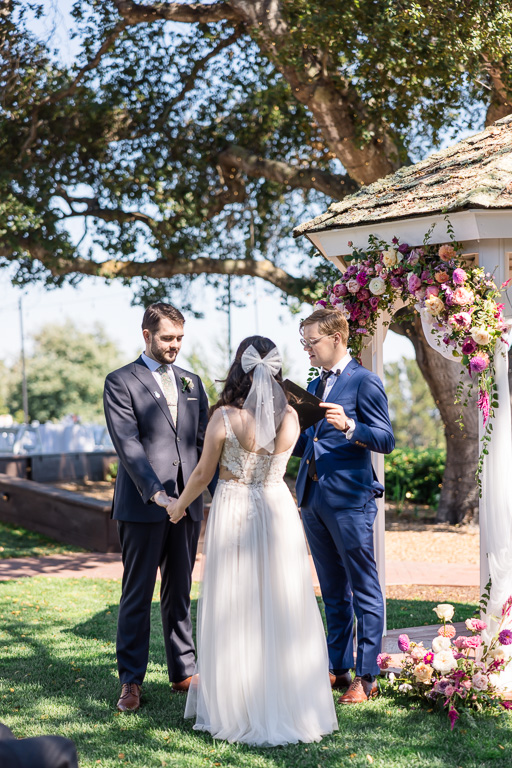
(174, 511)
(161, 498)
(336, 416)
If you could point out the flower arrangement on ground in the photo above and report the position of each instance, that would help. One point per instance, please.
(456, 672)
(457, 302)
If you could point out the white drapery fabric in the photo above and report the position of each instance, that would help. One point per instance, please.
(496, 502)
(496, 509)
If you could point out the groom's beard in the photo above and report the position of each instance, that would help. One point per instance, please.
(163, 356)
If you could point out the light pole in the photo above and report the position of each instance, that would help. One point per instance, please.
(23, 370)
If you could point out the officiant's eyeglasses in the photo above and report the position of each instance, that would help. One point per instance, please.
(312, 343)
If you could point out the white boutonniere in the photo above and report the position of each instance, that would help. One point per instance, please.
(187, 385)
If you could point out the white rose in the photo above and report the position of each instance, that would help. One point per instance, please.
(444, 611)
(434, 305)
(440, 643)
(480, 335)
(404, 687)
(377, 286)
(480, 681)
(498, 653)
(444, 662)
(389, 258)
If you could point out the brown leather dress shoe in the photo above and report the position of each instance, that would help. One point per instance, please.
(340, 681)
(130, 698)
(359, 690)
(182, 686)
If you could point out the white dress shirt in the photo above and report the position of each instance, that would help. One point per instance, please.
(331, 381)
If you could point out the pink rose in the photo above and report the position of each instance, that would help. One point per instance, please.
(363, 294)
(461, 642)
(353, 286)
(462, 296)
(475, 625)
(473, 642)
(432, 290)
(340, 289)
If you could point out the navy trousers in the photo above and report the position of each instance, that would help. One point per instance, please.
(341, 543)
(145, 547)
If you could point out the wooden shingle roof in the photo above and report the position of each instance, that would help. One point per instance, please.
(475, 173)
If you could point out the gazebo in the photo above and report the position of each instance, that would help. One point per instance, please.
(471, 182)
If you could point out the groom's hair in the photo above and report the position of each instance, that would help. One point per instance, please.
(329, 321)
(155, 312)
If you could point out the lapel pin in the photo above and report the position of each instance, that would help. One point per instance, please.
(156, 394)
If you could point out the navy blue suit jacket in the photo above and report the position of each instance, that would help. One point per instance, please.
(149, 446)
(344, 467)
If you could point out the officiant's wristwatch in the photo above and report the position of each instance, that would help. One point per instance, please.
(349, 429)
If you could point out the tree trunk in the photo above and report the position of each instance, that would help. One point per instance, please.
(459, 493)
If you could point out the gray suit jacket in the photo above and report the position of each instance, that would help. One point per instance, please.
(150, 447)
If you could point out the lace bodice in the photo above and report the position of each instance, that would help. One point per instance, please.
(249, 467)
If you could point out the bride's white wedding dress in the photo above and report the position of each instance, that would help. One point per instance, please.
(262, 669)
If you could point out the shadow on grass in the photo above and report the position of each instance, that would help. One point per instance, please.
(417, 613)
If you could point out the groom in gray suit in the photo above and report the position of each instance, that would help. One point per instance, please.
(156, 415)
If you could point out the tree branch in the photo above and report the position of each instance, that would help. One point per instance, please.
(238, 158)
(501, 98)
(134, 13)
(64, 92)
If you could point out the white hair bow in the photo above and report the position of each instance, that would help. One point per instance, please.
(266, 400)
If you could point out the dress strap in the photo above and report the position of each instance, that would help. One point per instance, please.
(227, 423)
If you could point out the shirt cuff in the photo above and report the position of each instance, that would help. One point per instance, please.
(351, 428)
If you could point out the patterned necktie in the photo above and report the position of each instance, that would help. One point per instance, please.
(324, 377)
(170, 391)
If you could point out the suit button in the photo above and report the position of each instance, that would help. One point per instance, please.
(315, 439)
(307, 461)
(175, 463)
(177, 439)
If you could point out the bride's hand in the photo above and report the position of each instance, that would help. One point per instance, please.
(174, 511)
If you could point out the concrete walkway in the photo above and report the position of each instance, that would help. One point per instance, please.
(95, 565)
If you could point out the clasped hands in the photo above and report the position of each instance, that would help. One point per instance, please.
(172, 506)
(336, 416)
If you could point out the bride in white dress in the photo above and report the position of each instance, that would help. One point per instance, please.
(262, 675)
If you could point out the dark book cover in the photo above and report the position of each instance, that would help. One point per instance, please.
(306, 404)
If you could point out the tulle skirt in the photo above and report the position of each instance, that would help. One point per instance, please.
(262, 675)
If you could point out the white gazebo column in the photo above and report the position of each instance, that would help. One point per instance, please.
(373, 359)
(494, 256)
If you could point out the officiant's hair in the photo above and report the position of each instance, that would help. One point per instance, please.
(329, 321)
(238, 383)
(155, 312)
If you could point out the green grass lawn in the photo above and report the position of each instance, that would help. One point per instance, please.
(58, 675)
(18, 542)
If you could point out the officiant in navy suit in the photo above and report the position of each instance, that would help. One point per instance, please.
(156, 415)
(336, 491)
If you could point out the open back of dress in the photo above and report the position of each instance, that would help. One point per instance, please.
(263, 670)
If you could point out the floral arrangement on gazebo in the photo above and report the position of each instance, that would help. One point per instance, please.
(457, 306)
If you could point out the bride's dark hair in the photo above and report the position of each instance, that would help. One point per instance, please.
(238, 383)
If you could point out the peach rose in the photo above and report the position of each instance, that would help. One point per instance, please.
(423, 672)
